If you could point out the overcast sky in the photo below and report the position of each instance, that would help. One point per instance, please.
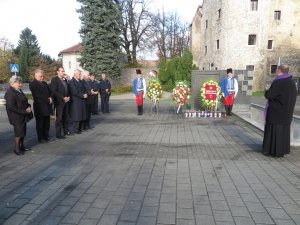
(56, 23)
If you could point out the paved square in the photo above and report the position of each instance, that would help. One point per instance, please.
(148, 170)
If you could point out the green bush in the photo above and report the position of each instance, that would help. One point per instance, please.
(258, 93)
(176, 69)
(122, 89)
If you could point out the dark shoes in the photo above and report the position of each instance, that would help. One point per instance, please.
(60, 137)
(18, 152)
(69, 133)
(25, 149)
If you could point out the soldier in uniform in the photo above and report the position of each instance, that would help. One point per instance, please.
(139, 89)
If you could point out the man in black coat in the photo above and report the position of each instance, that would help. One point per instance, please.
(61, 97)
(95, 86)
(42, 103)
(89, 101)
(279, 113)
(78, 105)
(105, 88)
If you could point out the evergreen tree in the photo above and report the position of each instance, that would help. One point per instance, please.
(100, 33)
(28, 51)
(176, 69)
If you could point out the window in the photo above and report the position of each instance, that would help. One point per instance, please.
(250, 67)
(277, 15)
(218, 44)
(206, 24)
(219, 13)
(205, 49)
(270, 44)
(273, 69)
(252, 39)
(253, 5)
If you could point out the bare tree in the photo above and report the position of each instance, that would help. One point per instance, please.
(171, 35)
(137, 26)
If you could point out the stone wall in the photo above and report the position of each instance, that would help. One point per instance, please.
(236, 23)
(128, 75)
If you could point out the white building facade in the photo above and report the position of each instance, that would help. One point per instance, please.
(247, 35)
(70, 59)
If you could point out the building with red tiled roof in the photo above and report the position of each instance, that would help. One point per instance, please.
(70, 58)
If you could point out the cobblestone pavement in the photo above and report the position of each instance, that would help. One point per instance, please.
(147, 170)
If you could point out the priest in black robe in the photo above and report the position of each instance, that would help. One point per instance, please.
(279, 113)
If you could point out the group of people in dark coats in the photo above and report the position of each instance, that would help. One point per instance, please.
(74, 101)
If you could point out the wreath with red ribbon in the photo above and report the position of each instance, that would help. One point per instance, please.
(210, 94)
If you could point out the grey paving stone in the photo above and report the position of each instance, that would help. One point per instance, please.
(199, 200)
(100, 203)
(88, 222)
(88, 198)
(185, 222)
(243, 221)
(114, 209)
(149, 211)
(186, 214)
(296, 218)
(184, 203)
(80, 207)
(219, 205)
(166, 218)
(7, 212)
(146, 221)
(205, 220)
(167, 207)
(291, 208)
(15, 219)
(222, 216)
(60, 210)
(285, 222)
(239, 211)
(278, 213)
(235, 201)
(50, 220)
(255, 207)
(168, 198)
(270, 203)
(28, 209)
(130, 216)
(108, 220)
(133, 205)
(72, 217)
(202, 210)
(151, 201)
(93, 213)
(126, 223)
(262, 218)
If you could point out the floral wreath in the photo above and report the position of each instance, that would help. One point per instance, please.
(181, 93)
(210, 94)
(154, 90)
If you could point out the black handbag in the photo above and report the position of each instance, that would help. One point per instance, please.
(29, 117)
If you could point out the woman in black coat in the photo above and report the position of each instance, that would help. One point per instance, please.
(18, 112)
(279, 113)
